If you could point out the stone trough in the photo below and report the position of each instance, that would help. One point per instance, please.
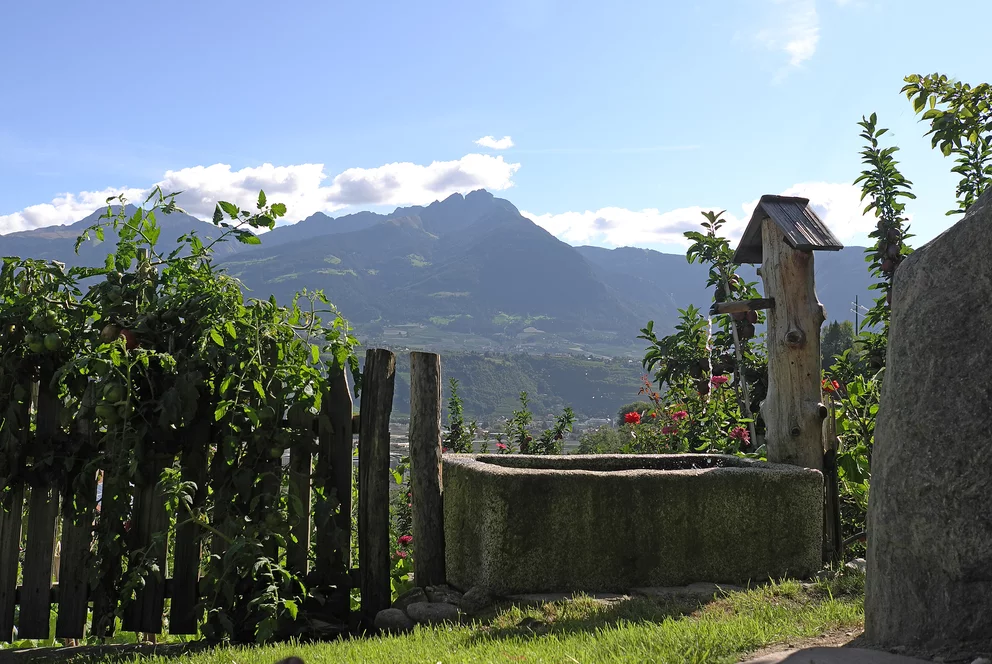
(526, 524)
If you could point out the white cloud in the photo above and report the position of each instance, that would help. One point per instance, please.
(794, 30)
(63, 209)
(838, 205)
(304, 188)
(494, 143)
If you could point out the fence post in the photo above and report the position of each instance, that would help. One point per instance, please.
(425, 468)
(374, 548)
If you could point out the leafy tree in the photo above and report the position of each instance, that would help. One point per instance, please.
(460, 436)
(837, 337)
(960, 118)
(885, 187)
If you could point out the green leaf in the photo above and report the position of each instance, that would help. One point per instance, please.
(249, 238)
(261, 199)
(314, 353)
(278, 209)
(230, 208)
(229, 328)
(218, 215)
(218, 339)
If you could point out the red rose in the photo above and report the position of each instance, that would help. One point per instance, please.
(632, 418)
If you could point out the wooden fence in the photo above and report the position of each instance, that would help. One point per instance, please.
(47, 521)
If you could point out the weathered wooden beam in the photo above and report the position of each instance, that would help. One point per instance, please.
(425, 468)
(333, 484)
(740, 306)
(378, 379)
(792, 409)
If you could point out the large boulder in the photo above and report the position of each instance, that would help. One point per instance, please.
(929, 567)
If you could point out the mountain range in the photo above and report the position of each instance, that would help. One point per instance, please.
(469, 272)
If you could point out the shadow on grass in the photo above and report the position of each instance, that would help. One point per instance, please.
(581, 614)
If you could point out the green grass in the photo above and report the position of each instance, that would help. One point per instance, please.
(331, 270)
(583, 630)
(332, 259)
(416, 260)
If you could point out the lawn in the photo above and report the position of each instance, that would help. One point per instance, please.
(584, 630)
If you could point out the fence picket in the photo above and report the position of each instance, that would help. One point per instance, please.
(300, 469)
(11, 522)
(77, 535)
(150, 527)
(184, 616)
(374, 549)
(43, 509)
(10, 540)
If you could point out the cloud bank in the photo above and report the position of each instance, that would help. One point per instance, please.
(839, 205)
(304, 188)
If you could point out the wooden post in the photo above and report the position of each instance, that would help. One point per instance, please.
(425, 468)
(792, 409)
(374, 547)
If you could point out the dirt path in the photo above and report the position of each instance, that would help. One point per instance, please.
(831, 639)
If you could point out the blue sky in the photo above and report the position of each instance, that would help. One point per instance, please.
(625, 117)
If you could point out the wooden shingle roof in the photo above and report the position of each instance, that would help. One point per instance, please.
(802, 228)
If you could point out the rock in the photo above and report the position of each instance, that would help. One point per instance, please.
(825, 575)
(930, 517)
(393, 620)
(982, 660)
(443, 593)
(426, 613)
(858, 565)
(475, 600)
(411, 596)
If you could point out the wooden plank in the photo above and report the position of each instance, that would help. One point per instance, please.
(374, 549)
(10, 540)
(740, 306)
(43, 509)
(11, 521)
(425, 468)
(300, 470)
(114, 505)
(792, 411)
(333, 484)
(184, 617)
(150, 528)
(77, 535)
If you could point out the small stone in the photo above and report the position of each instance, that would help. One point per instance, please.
(475, 600)
(432, 614)
(858, 565)
(410, 597)
(982, 660)
(825, 575)
(443, 593)
(392, 620)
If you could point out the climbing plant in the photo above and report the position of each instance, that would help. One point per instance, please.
(188, 384)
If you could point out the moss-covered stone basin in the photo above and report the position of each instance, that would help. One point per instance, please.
(519, 524)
